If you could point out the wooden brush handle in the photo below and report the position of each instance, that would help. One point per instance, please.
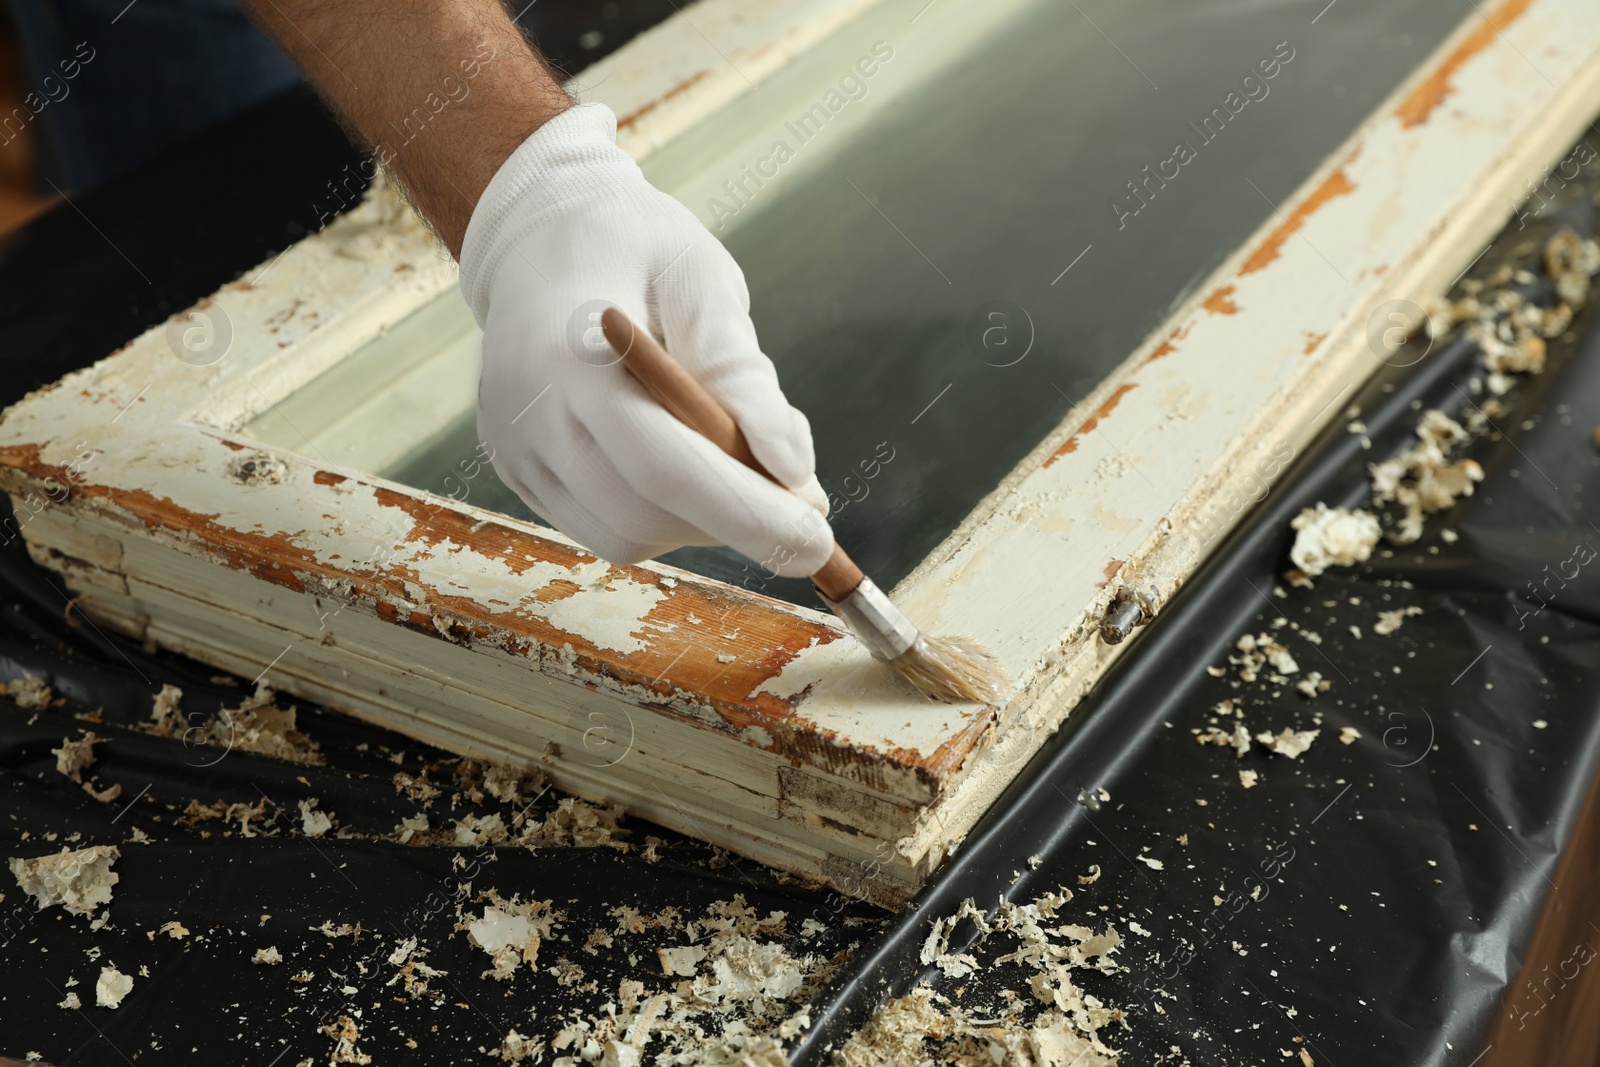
(683, 395)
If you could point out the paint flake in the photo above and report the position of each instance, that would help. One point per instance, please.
(74, 756)
(1061, 1028)
(1288, 742)
(515, 1047)
(681, 961)
(1422, 479)
(1312, 684)
(257, 725)
(79, 881)
(1389, 621)
(112, 987)
(313, 823)
(31, 693)
(512, 932)
(1332, 537)
(345, 1034)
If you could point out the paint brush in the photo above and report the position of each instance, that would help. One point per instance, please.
(951, 669)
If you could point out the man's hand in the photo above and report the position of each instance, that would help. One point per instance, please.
(461, 109)
(568, 227)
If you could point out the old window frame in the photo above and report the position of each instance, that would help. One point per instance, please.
(754, 723)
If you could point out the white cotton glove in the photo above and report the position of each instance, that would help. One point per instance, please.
(567, 227)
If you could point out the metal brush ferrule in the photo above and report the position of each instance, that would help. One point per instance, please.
(875, 621)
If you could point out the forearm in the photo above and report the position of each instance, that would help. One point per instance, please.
(441, 91)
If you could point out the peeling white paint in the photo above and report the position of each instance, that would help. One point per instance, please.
(613, 616)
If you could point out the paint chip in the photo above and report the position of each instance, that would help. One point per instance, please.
(1288, 742)
(1389, 621)
(345, 1034)
(681, 961)
(112, 987)
(511, 933)
(313, 823)
(29, 692)
(1332, 537)
(1421, 479)
(79, 881)
(1312, 684)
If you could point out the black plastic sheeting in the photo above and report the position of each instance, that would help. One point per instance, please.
(1369, 900)
(238, 894)
(1398, 879)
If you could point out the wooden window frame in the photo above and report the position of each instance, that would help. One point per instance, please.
(750, 722)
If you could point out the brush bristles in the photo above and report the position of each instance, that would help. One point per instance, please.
(952, 669)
